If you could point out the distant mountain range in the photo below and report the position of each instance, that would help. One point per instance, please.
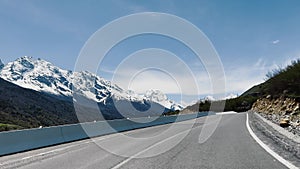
(55, 83)
(211, 98)
(43, 76)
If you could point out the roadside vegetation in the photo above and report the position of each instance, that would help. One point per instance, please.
(22, 108)
(281, 82)
(7, 127)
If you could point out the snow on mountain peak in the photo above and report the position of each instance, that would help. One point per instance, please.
(231, 96)
(156, 95)
(41, 75)
(211, 98)
(159, 97)
(38, 75)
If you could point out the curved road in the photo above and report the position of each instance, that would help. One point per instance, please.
(231, 146)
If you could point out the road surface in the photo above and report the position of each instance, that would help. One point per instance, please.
(230, 146)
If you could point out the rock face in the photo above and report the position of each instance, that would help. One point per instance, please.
(284, 122)
(282, 111)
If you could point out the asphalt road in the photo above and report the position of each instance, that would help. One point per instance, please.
(230, 146)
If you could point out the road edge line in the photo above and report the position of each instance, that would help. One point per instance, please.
(268, 149)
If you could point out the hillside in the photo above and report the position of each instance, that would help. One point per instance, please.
(279, 97)
(280, 83)
(34, 92)
(43, 76)
(25, 108)
(22, 108)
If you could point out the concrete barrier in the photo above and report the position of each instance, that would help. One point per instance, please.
(73, 132)
(22, 140)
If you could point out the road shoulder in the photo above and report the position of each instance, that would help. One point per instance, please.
(284, 146)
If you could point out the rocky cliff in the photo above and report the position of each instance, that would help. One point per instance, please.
(283, 111)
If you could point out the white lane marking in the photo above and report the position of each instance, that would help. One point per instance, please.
(90, 140)
(270, 151)
(48, 152)
(150, 147)
(226, 112)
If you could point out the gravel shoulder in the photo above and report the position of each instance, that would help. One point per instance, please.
(284, 143)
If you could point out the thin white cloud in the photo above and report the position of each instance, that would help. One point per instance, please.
(275, 41)
(238, 79)
(105, 70)
(176, 82)
(260, 63)
(235, 83)
(133, 7)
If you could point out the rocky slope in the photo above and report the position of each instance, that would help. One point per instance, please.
(283, 111)
(277, 99)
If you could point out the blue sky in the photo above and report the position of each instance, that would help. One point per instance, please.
(251, 37)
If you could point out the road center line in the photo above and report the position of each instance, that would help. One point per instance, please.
(150, 147)
(90, 140)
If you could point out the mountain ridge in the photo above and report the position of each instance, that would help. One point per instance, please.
(43, 76)
(280, 83)
(36, 93)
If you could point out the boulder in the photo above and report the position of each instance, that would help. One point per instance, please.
(284, 122)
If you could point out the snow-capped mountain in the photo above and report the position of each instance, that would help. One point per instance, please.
(38, 75)
(211, 98)
(231, 96)
(43, 76)
(159, 97)
(208, 98)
